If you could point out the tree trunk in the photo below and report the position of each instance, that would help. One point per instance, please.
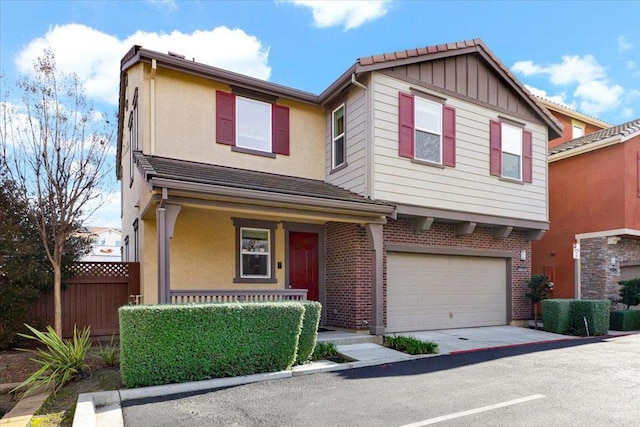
(57, 299)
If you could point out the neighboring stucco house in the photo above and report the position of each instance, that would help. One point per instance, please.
(403, 197)
(106, 245)
(594, 201)
(574, 124)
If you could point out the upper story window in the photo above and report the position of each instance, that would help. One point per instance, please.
(510, 151)
(428, 138)
(427, 130)
(577, 129)
(338, 146)
(252, 126)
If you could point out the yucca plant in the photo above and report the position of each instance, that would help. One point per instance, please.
(109, 353)
(61, 362)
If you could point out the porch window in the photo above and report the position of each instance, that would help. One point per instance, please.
(255, 252)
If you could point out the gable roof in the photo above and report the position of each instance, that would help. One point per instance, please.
(429, 53)
(259, 184)
(567, 111)
(600, 138)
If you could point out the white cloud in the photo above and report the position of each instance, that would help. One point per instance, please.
(593, 93)
(95, 56)
(627, 113)
(350, 14)
(170, 4)
(624, 44)
(560, 98)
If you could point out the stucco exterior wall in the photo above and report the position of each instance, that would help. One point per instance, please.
(587, 193)
(567, 128)
(186, 128)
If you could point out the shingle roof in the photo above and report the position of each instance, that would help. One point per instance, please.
(623, 130)
(202, 173)
(451, 47)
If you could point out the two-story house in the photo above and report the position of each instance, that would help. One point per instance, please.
(403, 197)
(594, 203)
(106, 245)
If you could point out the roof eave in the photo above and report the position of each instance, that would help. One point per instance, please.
(576, 151)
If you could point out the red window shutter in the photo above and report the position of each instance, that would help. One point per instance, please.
(225, 118)
(406, 121)
(527, 157)
(448, 136)
(280, 129)
(495, 143)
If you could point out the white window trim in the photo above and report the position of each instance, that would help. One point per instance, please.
(576, 124)
(237, 123)
(520, 154)
(266, 254)
(422, 129)
(334, 138)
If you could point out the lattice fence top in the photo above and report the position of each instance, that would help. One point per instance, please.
(99, 269)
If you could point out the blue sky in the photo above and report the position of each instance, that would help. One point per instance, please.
(582, 54)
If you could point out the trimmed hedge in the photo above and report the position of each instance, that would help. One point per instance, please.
(309, 332)
(566, 316)
(625, 320)
(162, 344)
(555, 315)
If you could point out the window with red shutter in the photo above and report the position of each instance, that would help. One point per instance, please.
(427, 130)
(511, 151)
(527, 156)
(252, 125)
(495, 144)
(406, 121)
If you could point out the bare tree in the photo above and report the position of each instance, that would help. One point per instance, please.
(55, 147)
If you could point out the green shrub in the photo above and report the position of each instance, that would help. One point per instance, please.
(630, 292)
(109, 353)
(411, 345)
(625, 320)
(309, 332)
(324, 350)
(61, 362)
(596, 312)
(162, 344)
(566, 316)
(555, 315)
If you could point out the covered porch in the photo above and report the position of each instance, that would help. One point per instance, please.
(217, 234)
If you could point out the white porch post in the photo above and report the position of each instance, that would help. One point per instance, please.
(374, 232)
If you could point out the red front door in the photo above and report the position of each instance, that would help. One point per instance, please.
(303, 263)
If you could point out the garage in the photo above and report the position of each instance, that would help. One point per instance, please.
(426, 291)
(629, 272)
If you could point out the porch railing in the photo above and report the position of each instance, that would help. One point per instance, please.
(237, 295)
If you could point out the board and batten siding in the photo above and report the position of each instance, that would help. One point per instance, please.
(469, 187)
(353, 177)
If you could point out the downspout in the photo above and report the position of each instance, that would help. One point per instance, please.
(357, 83)
(163, 249)
(152, 106)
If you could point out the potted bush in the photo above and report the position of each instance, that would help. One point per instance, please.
(539, 287)
(627, 320)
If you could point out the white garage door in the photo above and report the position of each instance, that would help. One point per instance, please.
(444, 291)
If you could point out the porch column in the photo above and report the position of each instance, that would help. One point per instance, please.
(374, 232)
(166, 216)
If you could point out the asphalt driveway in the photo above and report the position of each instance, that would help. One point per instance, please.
(571, 383)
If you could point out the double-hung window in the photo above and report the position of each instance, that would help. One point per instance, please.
(428, 137)
(338, 147)
(510, 151)
(252, 125)
(427, 130)
(255, 252)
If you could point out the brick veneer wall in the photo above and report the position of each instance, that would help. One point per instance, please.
(349, 265)
(401, 232)
(598, 277)
(348, 276)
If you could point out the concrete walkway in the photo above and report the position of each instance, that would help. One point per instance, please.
(21, 413)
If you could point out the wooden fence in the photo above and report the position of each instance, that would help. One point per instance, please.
(93, 296)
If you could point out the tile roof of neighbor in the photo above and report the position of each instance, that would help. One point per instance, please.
(202, 173)
(450, 47)
(623, 130)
